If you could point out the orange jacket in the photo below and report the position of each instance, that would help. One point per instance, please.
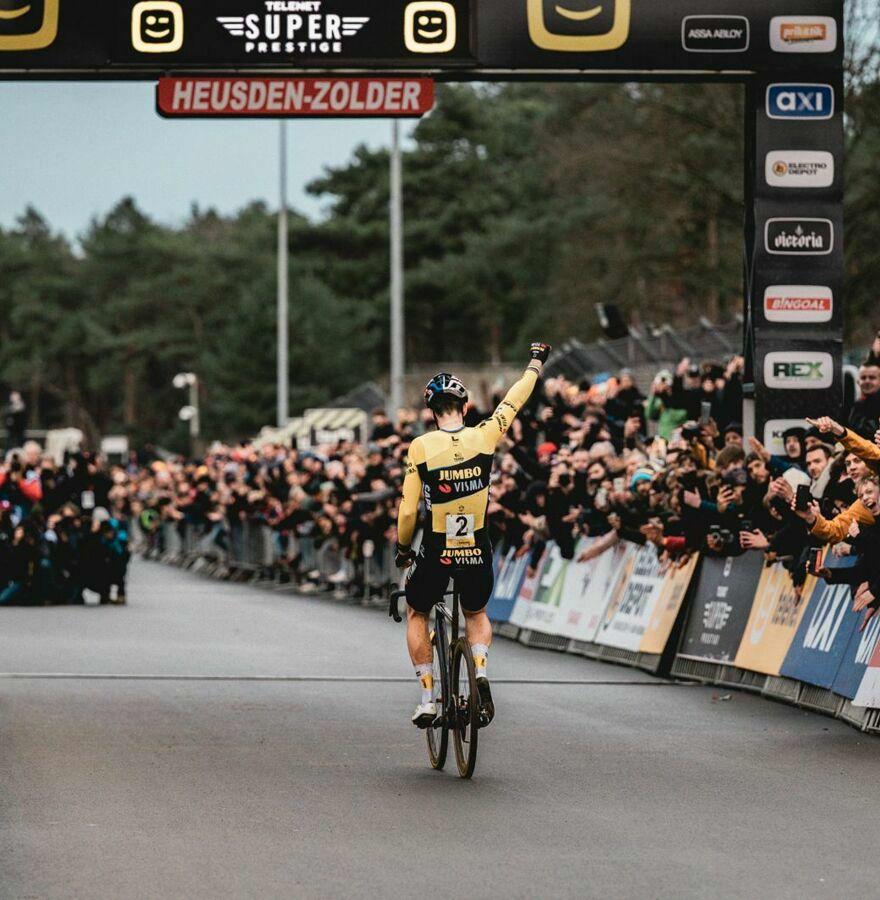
(835, 530)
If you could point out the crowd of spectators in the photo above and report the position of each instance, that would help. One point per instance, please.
(596, 458)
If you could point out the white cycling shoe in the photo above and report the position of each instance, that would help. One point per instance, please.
(424, 715)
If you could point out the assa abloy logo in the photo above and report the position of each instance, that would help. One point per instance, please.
(799, 237)
(715, 34)
(798, 370)
(798, 303)
(800, 101)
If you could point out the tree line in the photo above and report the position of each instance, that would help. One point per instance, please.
(525, 204)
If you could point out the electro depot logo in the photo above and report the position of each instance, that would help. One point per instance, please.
(794, 370)
(799, 168)
(579, 26)
(28, 24)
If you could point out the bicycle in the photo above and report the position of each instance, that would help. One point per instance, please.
(455, 689)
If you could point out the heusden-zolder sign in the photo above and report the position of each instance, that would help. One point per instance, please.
(455, 38)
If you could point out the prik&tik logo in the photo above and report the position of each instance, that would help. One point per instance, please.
(798, 370)
(803, 34)
(715, 34)
(28, 24)
(800, 101)
(799, 237)
(798, 303)
(579, 26)
(294, 27)
(799, 169)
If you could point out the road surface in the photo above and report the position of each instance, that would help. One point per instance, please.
(241, 750)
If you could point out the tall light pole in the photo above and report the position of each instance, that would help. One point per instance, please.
(190, 413)
(397, 321)
(283, 365)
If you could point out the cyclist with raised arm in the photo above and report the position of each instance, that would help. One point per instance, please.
(450, 469)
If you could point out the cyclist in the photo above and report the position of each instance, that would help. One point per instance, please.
(450, 470)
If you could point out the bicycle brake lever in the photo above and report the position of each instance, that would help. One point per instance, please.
(393, 605)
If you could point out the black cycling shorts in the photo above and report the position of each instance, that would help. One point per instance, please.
(429, 581)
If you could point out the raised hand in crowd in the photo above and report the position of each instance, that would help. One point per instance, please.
(827, 425)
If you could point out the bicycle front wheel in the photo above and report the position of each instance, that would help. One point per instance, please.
(466, 703)
(438, 734)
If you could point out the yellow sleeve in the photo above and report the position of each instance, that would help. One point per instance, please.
(408, 514)
(835, 530)
(494, 428)
(863, 449)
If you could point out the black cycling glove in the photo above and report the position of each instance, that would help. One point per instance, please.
(540, 351)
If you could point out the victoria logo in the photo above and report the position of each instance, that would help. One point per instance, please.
(803, 34)
(798, 370)
(282, 28)
(800, 101)
(715, 34)
(799, 237)
(798, 303)
(799, 168)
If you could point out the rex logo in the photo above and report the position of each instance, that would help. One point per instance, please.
(28, 24)
(579, 26)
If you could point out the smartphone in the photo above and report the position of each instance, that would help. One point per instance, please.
(802, 498)
(618, 485)
(813, 564)
(705, 412)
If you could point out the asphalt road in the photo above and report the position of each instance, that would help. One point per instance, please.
(200, 775)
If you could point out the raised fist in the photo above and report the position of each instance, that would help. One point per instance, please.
(540, 352)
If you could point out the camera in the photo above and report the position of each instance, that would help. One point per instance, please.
(735, 478)
(564, 480)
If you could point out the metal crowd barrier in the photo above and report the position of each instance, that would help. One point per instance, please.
(252, 551)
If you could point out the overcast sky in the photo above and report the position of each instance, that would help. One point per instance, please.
(73, 149)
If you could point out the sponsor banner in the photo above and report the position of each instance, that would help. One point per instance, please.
(508, 580)
(207, 97)
(862, 646)
(798, 370)
(535, 607)
(800, 102)
(803, 34)
(630, 609)
(773, 431)
(869, 690)
(799, 168)
(773, 622)
(798, 303)
(715, 34)
(822, 638)
(676, 582)
(799, 237)
(721, 607)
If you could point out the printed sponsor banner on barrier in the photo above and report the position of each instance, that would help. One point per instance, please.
(508, 579)
(820, 644)
(721, 607)
(585, 591)
(869, 690)
(542, 610)
(676, 582)
(859, 652)
(629, 613)
(773, 622)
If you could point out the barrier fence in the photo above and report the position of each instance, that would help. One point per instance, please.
(731, 621)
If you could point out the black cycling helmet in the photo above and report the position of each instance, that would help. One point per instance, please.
(445, 387)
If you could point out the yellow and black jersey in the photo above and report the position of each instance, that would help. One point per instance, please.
(450, 472)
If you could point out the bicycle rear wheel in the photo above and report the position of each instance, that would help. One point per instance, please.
(438, 734)
(466, 703)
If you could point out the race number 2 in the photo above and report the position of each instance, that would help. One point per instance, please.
(460, 530)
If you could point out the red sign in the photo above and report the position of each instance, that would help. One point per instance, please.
(205, 96)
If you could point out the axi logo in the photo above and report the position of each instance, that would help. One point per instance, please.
(799, 370)
(28, 24)
(800, 101)
(799, 237)
(579, 26)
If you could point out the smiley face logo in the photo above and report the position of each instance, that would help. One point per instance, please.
(430, 27)
(579, 26)
(28, 24)
(157, 26)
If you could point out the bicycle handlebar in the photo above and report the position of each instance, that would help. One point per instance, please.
(393, 605)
